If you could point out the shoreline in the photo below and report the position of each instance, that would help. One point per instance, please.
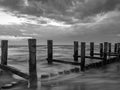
(92, 79)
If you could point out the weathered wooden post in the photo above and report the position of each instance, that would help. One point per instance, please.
(105, 53)
(32, 63)
(76, 51)
(115, 48)
(118, 51)
(101, 49)
(50, 51)
(109, 51)
(92, 49)
(83, 46)
(4, 52)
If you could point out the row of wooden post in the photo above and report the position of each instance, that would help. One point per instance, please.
(105, 50)
(32, 82)
(32, 55)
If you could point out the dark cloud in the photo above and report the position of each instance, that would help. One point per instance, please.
(111, 4)
(19, 5)
(92, 7)
(12, 4)
(62, 10)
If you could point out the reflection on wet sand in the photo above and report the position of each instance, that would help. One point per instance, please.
(106, 78)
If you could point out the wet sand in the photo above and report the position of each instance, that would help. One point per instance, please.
(105, 78)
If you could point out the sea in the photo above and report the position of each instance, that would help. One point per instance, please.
(104, 78)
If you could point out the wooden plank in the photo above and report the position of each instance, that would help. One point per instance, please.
(14, 71)
(76, 51)
(32, 63)
(92, 57)
(50, 51)
(96, 53)
(114, 54)
(112, 58)
(92, 49)
(4, 52)
(66, 62)
(83, 46)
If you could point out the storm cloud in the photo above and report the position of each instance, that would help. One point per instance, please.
(63, 20)
(56, 8)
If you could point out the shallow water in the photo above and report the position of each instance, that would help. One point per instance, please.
(106, 78)
(59, 51)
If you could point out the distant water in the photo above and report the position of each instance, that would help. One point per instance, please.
(59, 51)
(21, 53)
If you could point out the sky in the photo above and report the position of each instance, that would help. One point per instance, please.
(62, 21)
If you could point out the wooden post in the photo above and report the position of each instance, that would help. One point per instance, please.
(101, 49)
(109, 49)
(118, 51)
(92, 49)
(83, 46)
(32, 63)
(50, 51)
(4, 52)
(115, 48)
(76, 51)
(118, 47)
(105, 53)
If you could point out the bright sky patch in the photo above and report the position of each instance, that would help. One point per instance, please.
(8, 37)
